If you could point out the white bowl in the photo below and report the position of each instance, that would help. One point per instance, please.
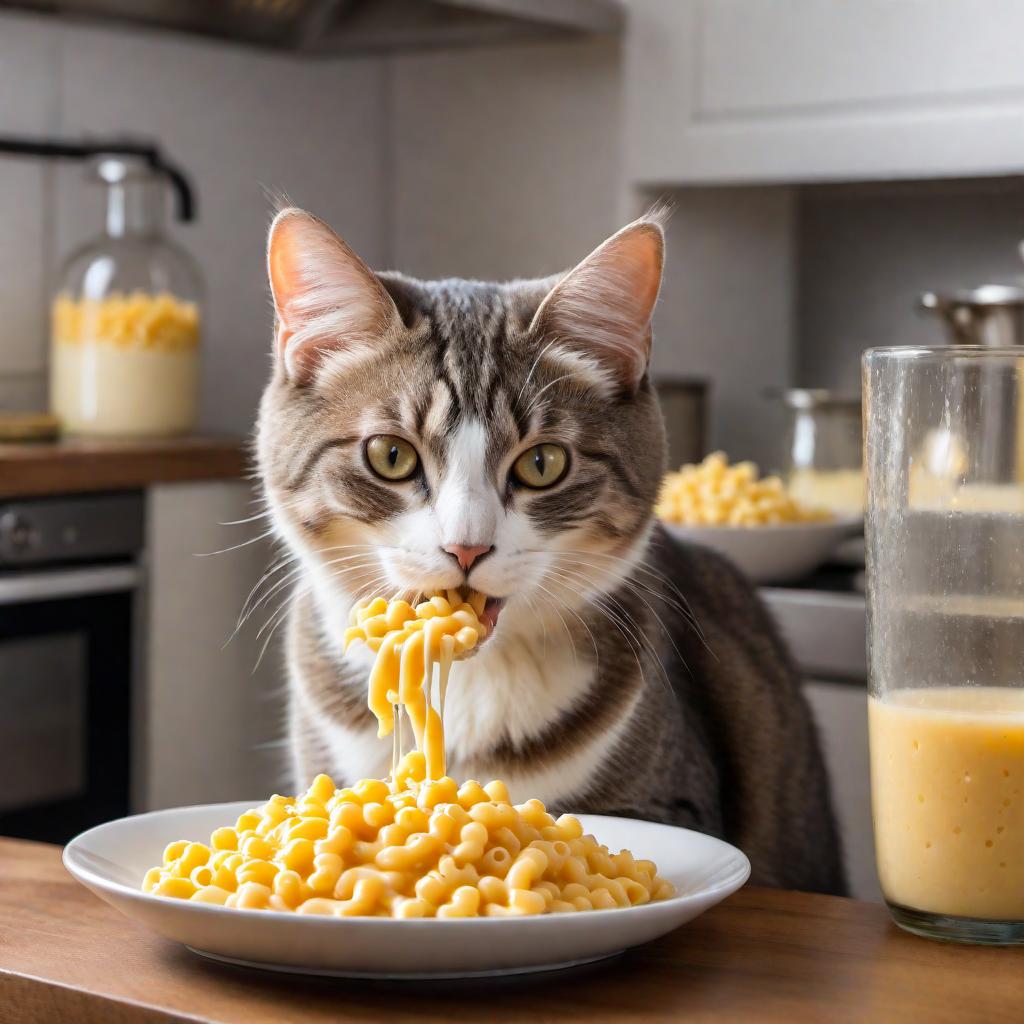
(775, 553)
(111, 860)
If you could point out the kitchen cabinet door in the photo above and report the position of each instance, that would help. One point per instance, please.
(722, 91)
(841, 712)
(209, 712)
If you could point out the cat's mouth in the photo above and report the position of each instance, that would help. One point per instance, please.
(486, 607)
(492, 609)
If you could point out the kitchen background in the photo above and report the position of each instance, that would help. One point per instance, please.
(817, 194)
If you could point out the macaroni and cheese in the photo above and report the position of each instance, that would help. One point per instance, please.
(409, 642)
(714, 493)
(419, 844)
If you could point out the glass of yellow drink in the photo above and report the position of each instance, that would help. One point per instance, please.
(944, 452)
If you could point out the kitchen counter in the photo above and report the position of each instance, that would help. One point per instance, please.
(76, 466)
(763, 955)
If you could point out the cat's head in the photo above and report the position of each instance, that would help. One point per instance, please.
(419, 435)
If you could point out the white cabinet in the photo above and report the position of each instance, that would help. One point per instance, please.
(207, 715)
(841, 712)
(805, 90)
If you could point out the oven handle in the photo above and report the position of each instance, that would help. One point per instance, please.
(49, 586)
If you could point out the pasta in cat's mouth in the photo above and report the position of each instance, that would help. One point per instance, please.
(490, 612)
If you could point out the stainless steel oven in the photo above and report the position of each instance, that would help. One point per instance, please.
(69, 578)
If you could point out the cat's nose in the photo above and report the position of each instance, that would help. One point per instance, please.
(467, 554)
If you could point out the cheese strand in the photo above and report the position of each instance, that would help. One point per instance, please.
(409, 642)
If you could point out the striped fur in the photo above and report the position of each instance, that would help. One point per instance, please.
(597, 691)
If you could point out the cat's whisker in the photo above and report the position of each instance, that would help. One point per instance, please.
(267, 512)
(636, 587)
(632, 588)
(550, 384)
(536, 363)
(621, 575)
(676, 598)
(243, 619)
(568, 634)
(627, 626)
(274, 588)
(642, 565)
(272, 570)
(582, 621)
(281, 614)
(283, 581)
(630, 642)
(251, 602)
(535, 613)
(235, 547)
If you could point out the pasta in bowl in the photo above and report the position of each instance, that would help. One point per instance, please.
(405, 877)
(405, 849)
(752, 520)
(112, 859)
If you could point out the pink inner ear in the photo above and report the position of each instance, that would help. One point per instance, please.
(603, 307)
(283, 268)
(324, 295)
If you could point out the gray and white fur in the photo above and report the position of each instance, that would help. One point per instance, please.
(627, 673)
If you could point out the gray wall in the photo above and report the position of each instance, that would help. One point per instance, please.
(507, 162)
(866, 252)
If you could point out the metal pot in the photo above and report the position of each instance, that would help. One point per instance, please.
(992, 315)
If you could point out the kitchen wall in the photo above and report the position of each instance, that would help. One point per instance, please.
(866, 252)
(507, 161)
(244, 123)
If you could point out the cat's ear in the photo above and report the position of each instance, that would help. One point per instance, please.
(602, 308)
(325, 297)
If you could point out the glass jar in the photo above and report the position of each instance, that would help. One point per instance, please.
(945, 563)
(126, 318)
(823, 463)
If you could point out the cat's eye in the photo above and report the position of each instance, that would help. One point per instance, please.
(543, 465)
(391, 458)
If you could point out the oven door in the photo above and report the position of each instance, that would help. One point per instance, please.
(65, 699)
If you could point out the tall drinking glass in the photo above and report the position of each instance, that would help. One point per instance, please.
(944, 450)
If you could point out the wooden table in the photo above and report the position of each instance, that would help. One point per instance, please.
(761, 956)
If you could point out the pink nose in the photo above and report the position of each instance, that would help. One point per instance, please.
(467, 554)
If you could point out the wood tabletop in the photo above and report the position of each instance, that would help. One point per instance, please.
(73, 466)
(763, 955)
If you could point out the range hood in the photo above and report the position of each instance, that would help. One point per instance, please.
(330, 27)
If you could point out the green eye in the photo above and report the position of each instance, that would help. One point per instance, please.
(391, 458)
(543, 465)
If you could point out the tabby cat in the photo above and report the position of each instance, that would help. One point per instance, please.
(418, 435)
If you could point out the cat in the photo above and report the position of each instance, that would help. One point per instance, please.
(517, 448)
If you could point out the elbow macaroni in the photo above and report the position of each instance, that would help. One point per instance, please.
(409, 642)
(418, 845)
(714, 493)
(411, 847)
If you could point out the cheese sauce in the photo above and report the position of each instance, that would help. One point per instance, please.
(410, 642)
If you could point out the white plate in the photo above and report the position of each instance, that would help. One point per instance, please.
(111, 860)
(775, 553)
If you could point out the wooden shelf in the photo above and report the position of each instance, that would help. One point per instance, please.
(79, 466)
